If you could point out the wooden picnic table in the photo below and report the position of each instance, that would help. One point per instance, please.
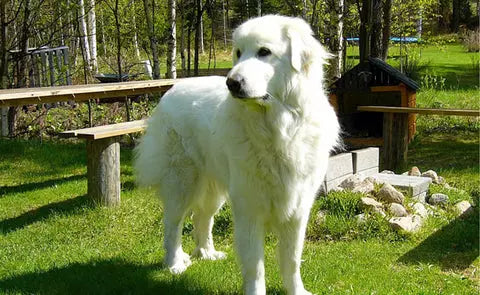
(24, 96)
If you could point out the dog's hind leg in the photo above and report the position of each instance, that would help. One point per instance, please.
(176, 260)
(203, 213)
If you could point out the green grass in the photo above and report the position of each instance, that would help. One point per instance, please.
(53, 240)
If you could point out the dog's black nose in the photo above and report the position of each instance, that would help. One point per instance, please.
(234, 86)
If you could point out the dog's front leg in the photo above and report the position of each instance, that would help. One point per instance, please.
(249, 237)
(291, 236)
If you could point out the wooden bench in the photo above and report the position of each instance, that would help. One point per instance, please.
(395, 129)
(103, 158)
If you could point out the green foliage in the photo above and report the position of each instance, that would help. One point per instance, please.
(471, 41)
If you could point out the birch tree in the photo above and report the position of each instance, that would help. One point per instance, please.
(83, 33)
(92, 35)
(151, 36)
(335, 43)
(172, 41)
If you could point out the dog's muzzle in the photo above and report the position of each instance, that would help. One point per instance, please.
(236, 87)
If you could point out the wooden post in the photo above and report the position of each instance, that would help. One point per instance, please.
(395, 140)
(103, 170)
(66, 63)
(51, 68)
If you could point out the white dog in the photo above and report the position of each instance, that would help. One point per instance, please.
(261, 137)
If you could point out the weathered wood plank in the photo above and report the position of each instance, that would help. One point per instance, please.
(106, 131)
(422, 111)
(23, 96)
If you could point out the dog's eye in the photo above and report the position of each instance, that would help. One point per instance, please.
(239, 53)
(264, 52)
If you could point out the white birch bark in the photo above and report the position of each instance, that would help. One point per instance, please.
(172, 41)
(202, 46)
(92, 35)
(224, 24)
(135, 35)
(83, 32)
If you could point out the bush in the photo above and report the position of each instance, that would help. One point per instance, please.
(471, 40)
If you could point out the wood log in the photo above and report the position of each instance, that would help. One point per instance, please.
(103, 170)
(395, 140)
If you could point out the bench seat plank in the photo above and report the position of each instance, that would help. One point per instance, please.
(423, 111)
(106, 131)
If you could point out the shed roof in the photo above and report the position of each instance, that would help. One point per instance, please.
(374, 72)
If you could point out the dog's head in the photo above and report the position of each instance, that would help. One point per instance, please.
(268, 52)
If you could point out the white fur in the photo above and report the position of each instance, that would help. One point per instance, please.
(268, 152)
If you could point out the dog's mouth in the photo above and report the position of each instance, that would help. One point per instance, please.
(243, 96)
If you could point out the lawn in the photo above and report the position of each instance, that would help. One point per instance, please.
(53, 240)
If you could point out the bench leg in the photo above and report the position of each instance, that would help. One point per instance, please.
(103, 170)
(395, 140)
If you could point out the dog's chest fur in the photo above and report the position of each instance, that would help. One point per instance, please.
(278, 155)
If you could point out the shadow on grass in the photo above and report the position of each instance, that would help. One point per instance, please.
(453, 247)
(22, 188)
(44, 212)
(101, 277)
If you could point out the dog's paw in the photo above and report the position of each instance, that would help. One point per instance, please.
(179, 263)
(208, 254)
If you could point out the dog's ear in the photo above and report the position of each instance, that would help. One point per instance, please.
(304, 48)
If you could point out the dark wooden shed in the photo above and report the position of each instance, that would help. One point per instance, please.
(371, 83)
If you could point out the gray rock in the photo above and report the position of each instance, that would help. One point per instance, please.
(432, 175)
(397, 210)
(422, 197)
(390, 195)
(420, 210)
(441, 180)
(371, 179)
(438, 199)
(364, 187)
(464, 208)
(414, 171)
(350, 182)
(370, 204)
(408, 223)
(360, 218)
(387, 172)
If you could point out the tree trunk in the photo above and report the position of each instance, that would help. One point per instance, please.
(3, 45)
(335, 38)
(365, 29)
(202, 46)
(376, 33)
(3, 65)
(172, 42)
(387, 12)
(152, 37)
(225, 24)
(197, 37)
(304, 9)
(182, 37)
(259, 7)
(83, 32)
(92, 36)
(455, 15)
(135, 35)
